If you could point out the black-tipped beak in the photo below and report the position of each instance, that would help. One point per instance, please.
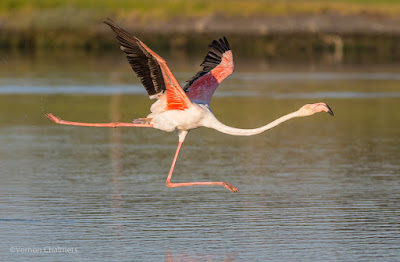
(330, 110)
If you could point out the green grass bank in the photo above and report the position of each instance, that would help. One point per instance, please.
(359, 29)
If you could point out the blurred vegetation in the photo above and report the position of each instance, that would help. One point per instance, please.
(31, 25)
(166, 9)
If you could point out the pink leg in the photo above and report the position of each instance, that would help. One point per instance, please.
(168, 183)
(115, 124)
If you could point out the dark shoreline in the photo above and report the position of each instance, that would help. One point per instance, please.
(297, 36)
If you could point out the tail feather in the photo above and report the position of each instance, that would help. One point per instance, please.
(142, 120)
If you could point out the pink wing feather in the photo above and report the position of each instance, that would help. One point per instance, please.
(217, 66)
(152, 70)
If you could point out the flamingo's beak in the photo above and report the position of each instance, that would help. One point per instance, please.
(330, 110)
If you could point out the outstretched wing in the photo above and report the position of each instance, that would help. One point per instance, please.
(217, 66)
(152, 70)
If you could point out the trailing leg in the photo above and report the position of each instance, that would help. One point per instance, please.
(58, 120)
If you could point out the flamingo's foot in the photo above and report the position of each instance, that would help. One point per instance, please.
(230, 187)
(53, 118)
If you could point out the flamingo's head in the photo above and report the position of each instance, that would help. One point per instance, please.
(310, 109)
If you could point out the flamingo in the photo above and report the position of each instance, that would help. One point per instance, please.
(183, 109)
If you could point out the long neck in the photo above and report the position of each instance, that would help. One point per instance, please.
(213, 122)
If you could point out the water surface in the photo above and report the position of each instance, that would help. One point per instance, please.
(314, 189)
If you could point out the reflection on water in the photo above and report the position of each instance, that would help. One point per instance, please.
(313, 189)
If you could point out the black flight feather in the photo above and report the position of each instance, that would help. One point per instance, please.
(212, 60)
(142, 62)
